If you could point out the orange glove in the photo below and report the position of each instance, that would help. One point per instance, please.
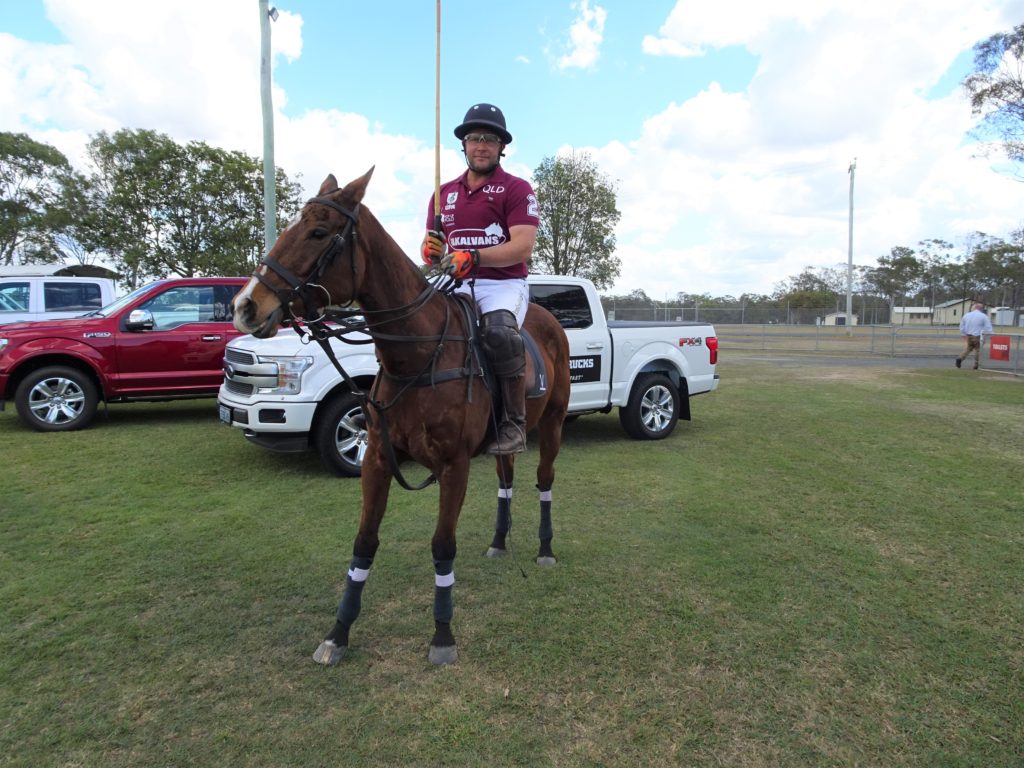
(459, 264)
(432, 247)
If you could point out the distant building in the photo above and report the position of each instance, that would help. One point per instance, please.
(838, 318)
(912, 315)
(1005, 315)
(952, 312)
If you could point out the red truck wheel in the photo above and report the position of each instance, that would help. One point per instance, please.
(56, 399)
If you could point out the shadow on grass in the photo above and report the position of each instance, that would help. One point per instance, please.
(200, 411)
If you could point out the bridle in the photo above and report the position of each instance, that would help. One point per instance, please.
(305, 289)
(319, 330)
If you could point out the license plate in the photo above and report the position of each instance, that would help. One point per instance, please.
(225, 414)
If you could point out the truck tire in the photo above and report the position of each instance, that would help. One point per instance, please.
(653, 408)
(339, 435)
(56, 399)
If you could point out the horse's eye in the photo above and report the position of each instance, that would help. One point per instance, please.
(319, 233)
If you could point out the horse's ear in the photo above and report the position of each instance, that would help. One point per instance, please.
(330, 185)
(357, 188)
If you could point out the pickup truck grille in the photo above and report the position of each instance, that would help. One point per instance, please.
(237, 356)
(237, 388)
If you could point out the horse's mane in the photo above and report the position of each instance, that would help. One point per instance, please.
(384, 249)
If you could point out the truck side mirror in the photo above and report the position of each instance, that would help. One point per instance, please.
(139, 320)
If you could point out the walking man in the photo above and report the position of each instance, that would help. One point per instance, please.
(972, 326)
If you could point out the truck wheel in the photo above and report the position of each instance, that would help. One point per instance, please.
(56, 399)
(653, 408)
(340, 436)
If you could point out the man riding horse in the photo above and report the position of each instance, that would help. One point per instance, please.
(489, 222)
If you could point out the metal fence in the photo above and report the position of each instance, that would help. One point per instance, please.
(743, 315)
(871, 340)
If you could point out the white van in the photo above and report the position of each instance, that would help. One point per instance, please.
(43, 297)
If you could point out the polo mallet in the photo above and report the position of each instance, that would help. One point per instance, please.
(437, 124)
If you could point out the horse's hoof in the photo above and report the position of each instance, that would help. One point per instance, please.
(546, 560)
(494, 552)
(329, 654)
(440, 655)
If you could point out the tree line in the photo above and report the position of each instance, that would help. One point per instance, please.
(988, 269)
(148, 208)
(151, 207)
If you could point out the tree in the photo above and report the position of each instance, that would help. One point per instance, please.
(933, 254)
(999, 266)
(187, 210)
(896, 275)
(996, 89)
(32, 179)
(577, 220)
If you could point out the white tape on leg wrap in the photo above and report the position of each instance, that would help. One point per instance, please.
(504, 493)
(545, 495)
(358, 574)
(446, 580)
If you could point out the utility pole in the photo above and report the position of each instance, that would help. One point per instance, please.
(849, 263)
(269, 169)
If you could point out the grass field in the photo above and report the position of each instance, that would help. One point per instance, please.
(823, 569)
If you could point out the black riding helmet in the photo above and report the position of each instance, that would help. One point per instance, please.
(484, 116)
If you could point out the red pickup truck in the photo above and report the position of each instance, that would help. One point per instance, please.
(163, 341)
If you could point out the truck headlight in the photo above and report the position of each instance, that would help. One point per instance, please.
(3, 345)
(289, 374)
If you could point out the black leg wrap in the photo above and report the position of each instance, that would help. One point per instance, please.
(502, 523)
(442, 647)
(503, 520)
(444, 583)
(351, 600)
(545, 531)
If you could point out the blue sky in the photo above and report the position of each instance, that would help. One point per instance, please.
(728, 128)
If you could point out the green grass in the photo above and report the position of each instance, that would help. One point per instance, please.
(823, 569)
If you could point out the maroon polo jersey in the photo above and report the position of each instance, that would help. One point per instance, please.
(482, 217)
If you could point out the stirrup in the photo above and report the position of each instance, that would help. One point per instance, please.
(511, 440)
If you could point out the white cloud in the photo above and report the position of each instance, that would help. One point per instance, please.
(666, 46)
(585, 36)
(729, 190)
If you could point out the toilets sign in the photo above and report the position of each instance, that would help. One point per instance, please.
(999, 348)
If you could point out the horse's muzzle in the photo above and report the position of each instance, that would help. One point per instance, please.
(248, 319)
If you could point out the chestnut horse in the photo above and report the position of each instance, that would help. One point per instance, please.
(429, 402)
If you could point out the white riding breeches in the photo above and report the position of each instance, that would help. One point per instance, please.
(491, 295)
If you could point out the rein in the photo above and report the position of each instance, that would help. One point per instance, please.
(318, 330)
(428, 375)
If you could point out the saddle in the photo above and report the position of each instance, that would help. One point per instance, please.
(536, 375)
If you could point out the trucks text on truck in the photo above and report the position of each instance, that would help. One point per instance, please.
(163, 341)
(287, 395)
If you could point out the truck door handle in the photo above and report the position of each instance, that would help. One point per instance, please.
(212, 337)
(595, 345)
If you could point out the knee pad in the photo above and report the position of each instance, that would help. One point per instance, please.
(501, 342)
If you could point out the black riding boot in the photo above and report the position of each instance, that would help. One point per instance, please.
(512, 431)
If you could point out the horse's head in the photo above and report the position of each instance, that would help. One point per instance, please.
(316, 262)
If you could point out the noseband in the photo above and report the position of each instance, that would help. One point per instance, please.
(303, 289)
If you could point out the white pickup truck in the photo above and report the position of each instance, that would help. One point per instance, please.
(287, 396)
